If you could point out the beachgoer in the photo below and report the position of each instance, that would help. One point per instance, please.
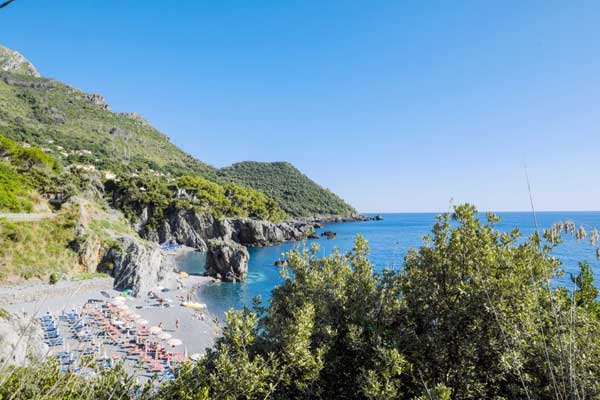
(177, 323)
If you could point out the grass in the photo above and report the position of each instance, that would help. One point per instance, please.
(37, 249)
(83, 276)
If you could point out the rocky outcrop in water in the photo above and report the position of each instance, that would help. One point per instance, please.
(138, 265)
(226, 260)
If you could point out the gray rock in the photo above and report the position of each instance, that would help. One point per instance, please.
(194, 229)
(139, 265)
(97, 100)
(227, 260)
(21, 340)
(12, 61)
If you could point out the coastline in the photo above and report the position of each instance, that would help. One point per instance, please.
(29, 300)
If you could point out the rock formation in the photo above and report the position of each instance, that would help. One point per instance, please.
(14, 62)
(138, 265)
(194, 229)
(21, 340)
(329, 234)
(226, 260)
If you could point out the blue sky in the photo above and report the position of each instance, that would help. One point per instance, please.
(395, 105)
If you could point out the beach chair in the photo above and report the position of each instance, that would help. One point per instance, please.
(156, 367)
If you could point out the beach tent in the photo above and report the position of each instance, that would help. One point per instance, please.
(175, 342)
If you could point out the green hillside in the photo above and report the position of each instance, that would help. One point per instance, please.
(74, 127)
(78, 127)
(297, 193)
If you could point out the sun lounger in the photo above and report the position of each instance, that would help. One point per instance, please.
(156, 367)
(55, 342)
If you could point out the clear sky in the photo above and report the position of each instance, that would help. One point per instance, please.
(394, 105)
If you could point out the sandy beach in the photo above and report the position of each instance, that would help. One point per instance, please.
(197, 330)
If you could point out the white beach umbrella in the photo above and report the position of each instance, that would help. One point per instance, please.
(196, 356)
(118, 300)
(165, 336)
(142, 322)
(175, 342)
(155, 329)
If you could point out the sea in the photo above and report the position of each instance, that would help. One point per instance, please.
(389, 240)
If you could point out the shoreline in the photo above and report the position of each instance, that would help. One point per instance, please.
(35, 299)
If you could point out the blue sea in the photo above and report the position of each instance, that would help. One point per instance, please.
(389, 241)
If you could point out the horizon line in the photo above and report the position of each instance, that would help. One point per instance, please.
(480, 211)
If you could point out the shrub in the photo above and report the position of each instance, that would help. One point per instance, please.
(53, 278)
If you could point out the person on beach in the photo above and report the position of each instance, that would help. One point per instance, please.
(177, 323)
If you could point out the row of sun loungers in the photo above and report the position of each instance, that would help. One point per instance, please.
(96, 324)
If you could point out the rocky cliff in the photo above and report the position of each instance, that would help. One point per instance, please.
(227, 260)
(21, 340)
(194, 229)
(14, 62)
(138, 265)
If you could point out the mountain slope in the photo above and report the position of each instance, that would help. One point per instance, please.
(298, 195)
(78, 127)
(75, 127)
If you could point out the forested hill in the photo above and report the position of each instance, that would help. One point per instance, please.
(75, 127)
(297, 193)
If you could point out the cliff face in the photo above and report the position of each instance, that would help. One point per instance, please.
(227, 260)
(194, 229)
(20, 340)
(138, 265)
(14, 62)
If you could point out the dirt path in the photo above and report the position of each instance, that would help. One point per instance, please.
(26, 217)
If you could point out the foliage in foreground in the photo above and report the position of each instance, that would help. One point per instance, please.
(470, 316)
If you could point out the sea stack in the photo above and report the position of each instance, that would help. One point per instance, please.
(226, 260)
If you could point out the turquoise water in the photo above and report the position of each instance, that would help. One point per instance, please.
(389, 240)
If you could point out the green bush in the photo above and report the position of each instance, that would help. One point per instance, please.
(133, 194)
(15, 190)
(470, 316)
(53, 278)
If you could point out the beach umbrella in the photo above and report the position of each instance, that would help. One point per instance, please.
(118, 323)
(175, 342)
(118, 299)
(196, 356)
(165, 336)
(142, 322)
(155, 329)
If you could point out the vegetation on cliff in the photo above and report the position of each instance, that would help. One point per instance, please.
(158, 196)
(297, 194)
